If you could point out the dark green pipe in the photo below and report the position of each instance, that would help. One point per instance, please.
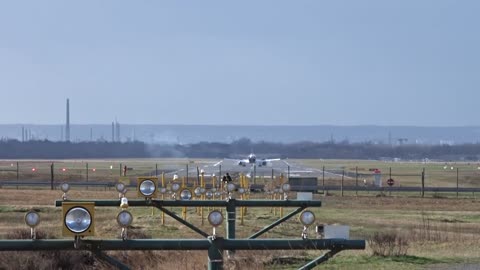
(217, 203)
(325, 257)
(183, 244)
(111, 260)
(181, 220)
(276, 223)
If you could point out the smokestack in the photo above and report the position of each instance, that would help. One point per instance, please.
(113, 132)
(67, 128)
(117, 131)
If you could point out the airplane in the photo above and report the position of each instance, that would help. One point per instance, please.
(252, 160)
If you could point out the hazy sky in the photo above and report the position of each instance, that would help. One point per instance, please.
(245, 62)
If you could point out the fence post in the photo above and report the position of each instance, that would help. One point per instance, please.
(120, 169)
(323, 180)
(51, 176)
(423, 182)
(343, 176)
(457, 182)
(18, 176)
(356, 180)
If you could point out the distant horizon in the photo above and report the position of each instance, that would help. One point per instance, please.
(248, 125)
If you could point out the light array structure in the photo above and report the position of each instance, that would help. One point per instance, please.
(79, 221)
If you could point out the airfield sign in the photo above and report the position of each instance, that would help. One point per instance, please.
(390, 182)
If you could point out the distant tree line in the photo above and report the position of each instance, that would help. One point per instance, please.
(13, 149)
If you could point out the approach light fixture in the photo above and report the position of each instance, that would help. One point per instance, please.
(185, 195)
(209, 194)
(286, 187)
(147, 187)
(120, 187)
(215, 218)
(217, 193)
(175, 187)
(202, 190)
(65, 187)
(197, 191)
(241, 190)
(78, 218)
(175, 177)
(32, 219)
(230, 187)
(307, 218)
(162, 190)
(124, 218)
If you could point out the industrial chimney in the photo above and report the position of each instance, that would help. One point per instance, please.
(67, 128)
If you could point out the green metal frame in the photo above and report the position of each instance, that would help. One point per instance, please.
(214, 245)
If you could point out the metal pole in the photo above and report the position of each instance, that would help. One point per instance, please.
(343, 176)
(389, 187)
(51, 176)
(423, 182)
(156, 169)
(288, 174)
(18, 177)
(325, 257)
(231, 217)
(356, 180)
(187, 173)
(86, 170)
(276, 223)
(120, 169)
(215, 257)
(323, 180)
(457, 182)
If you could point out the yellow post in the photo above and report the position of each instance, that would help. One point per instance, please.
(163, 213)
(202, 184)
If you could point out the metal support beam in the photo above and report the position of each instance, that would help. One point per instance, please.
(206, 203)
(325, 257)
(183, 244)
(181, 220)
(215, 256)
(111, 260)
(276, 223)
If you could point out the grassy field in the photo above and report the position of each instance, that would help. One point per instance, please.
(441, 232)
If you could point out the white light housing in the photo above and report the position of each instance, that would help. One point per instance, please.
(203, 190)
(185, 195)
(230, 187)
(202, 171)
(175, 177)
(209, 194)
(124, 218)
(197, 191)
(215, 218)
(65, 187)
(78, 220)
(147, 187)
(241, 190)
(217, 193)
(286, 187)
(32, 219)
(120, 187)
(307, 218)
(175, 187)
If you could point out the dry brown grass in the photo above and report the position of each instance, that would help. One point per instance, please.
(432, 226)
